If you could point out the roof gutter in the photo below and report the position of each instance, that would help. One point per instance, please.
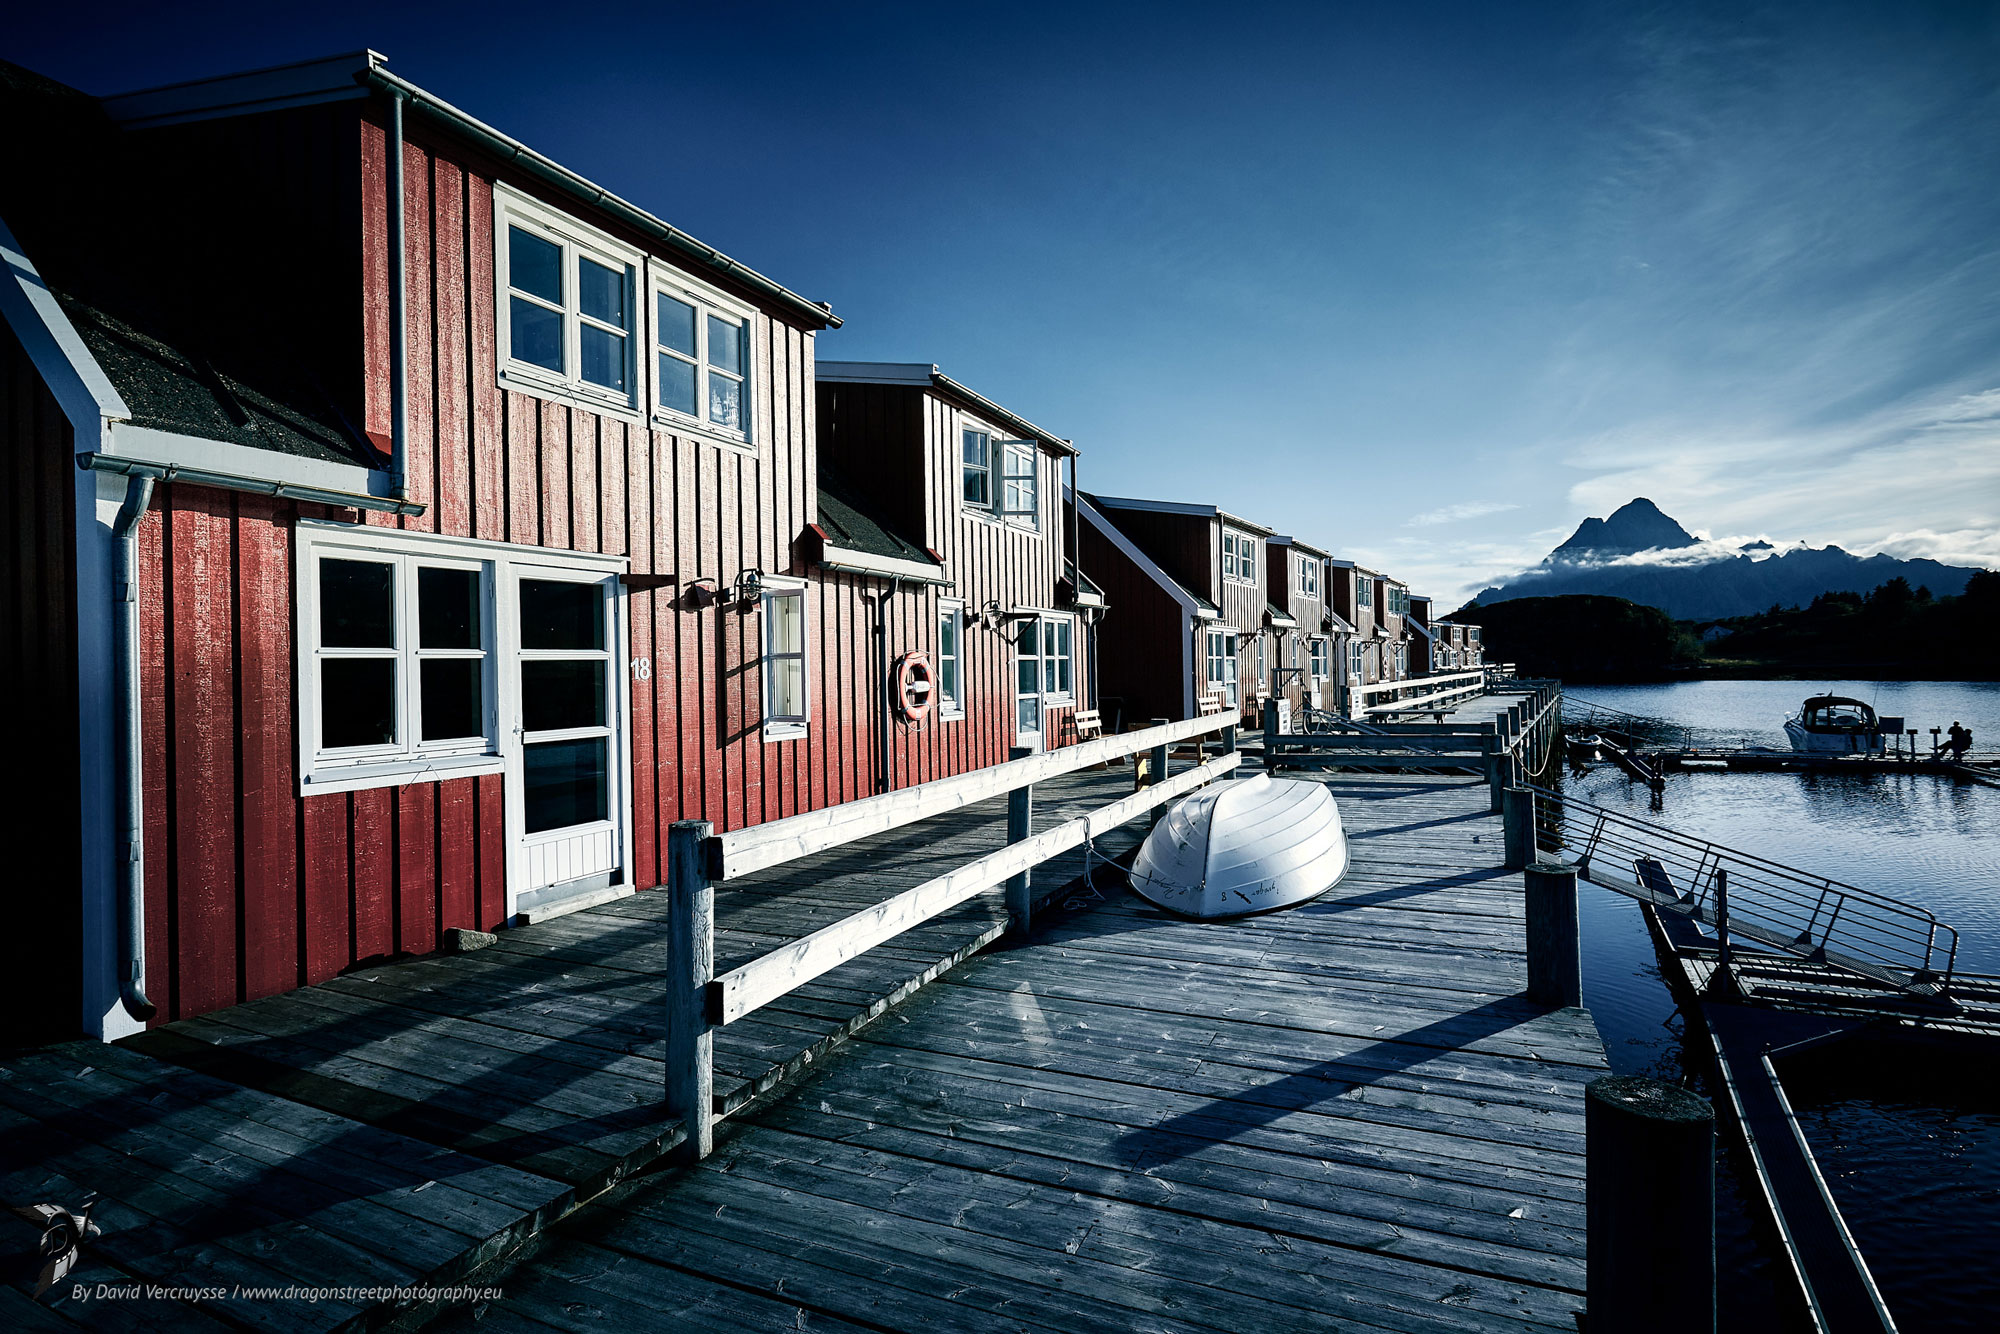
(515, 153)
(173, 472)
(988, 408)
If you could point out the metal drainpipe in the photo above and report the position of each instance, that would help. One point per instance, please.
(131, 838)
(887, 718)
(399, 378)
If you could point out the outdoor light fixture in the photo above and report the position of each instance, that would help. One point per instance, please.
(749, 588)
(990, 616)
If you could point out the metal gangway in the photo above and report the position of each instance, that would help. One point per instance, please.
(1815, 943)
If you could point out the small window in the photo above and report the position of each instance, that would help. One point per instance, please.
(978, 469)
(1308, 577)
(785, 670)
(1057, 661)
(1239, 557)
(1357, 659)
(568, 315)
(1018, 500)
(702, 350)
(951, 659)
(1365, 593)
(1263, 680)
(1322, 658)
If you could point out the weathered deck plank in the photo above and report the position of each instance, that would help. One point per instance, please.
(1341, 1116)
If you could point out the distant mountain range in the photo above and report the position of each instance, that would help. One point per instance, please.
(1646, 557)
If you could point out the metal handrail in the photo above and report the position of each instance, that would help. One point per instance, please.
(1799, 912)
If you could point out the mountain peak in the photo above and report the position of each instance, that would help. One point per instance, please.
(1637, 525)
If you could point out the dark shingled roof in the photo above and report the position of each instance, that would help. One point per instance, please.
(75, 196)
(849, 524)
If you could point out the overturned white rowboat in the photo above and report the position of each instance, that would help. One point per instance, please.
(1251, 846)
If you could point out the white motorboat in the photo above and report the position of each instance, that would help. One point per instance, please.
(1236, 848)
(1835, 725)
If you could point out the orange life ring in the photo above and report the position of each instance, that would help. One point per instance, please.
(916, 686)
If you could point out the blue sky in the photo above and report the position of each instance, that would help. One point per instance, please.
(1425, 284)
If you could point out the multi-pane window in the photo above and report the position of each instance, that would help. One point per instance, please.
(1364, 592)
(1357, 659)
(1263, 681)
(1398, 601)
(398, 647)
(999, 476)
(1402, 661)
(569, 314)
(1308, 577)
(1222, 665)
(1322, 658)
(1239, 557)
(977, 471)
(1017, 482)
(1057, 658)
(785, 677)
(951, 659)
(703, 353)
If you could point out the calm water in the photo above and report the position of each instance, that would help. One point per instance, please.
(1917, 1175)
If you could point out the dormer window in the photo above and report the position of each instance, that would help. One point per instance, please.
(702, 345)
(1365, 593)
(1239, 557)
(1014, 494)
(1308, 577)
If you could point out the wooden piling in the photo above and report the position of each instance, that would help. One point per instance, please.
(1517, 828)
(1555, 954)
(1020, 824)
(690, 1053)
(1496, 775)
(1649, 1207)
(1158, 765)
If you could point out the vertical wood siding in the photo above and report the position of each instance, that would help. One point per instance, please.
(1139, 640)
(40, 995)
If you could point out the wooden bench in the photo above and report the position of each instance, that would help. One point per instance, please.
(1211, 702)
(1087, 723)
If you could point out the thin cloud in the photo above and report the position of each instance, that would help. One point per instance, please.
(1469, 509)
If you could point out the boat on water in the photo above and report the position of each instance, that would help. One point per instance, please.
(1835, 725)
(1251, 846)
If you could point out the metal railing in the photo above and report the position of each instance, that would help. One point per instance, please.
(1584, 713)
(1797, 912)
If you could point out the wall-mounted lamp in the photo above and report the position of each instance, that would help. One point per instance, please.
(748, 589)
(989, 616)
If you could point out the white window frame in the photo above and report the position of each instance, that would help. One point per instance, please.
(951, 617)
(983, 470)
(578, 240)
(408, 758)
(1364, 593)
(784, 727)
(1357, 659)
(1319, 652)
(665, 280)
(1308, 577)
(1012, 452)
(1263, 682)
(1057, 645)
(1222, 649)
(1239, 557)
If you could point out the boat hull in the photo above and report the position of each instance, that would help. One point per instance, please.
(1831, 743)
(1239, 848)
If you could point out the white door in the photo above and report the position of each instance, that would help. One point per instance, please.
(1028, 684)
(565, 772)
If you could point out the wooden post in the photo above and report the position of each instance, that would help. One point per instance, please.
(1270, 740)
(1517, 828)
(1555, 954)
(1649, 1207)
(1020, 824)
(1159, 768)
(1228, 740)
(1496, 777)
(690, 963)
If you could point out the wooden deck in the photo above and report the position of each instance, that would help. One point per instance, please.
(1342, 1116)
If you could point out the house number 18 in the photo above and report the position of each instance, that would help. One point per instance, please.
(642, 669)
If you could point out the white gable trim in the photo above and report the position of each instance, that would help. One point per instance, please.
(1160, 577)
(53, 344)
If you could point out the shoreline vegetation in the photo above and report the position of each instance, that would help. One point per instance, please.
(1894, 632)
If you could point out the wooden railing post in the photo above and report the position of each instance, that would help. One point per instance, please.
(690, 963)
(1649, 1207)
(1555, 954)
(1517, 828)
(1270, 740)
(1495, 759)
(1157, 762)
(1228, 740)
(1020, 824)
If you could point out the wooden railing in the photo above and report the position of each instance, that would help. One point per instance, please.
(698, 859)
(1505, 749)
(1435, 692)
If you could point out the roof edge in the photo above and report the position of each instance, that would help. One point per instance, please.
(56, 349)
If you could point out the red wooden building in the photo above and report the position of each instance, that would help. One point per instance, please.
(446, 527)
(1306, 651)
(1190, 626)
